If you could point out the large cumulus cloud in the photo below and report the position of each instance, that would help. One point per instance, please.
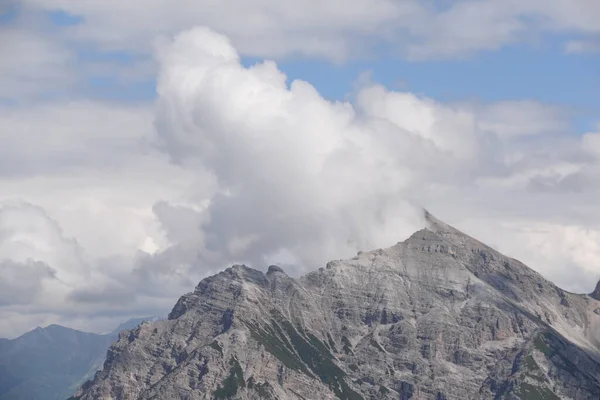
(306, 179)
(295, 171)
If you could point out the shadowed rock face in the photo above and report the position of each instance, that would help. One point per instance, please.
(438, 316)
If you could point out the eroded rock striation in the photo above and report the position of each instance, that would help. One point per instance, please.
(439, 316)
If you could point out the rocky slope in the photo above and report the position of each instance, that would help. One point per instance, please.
(438, 316)
(51, 363)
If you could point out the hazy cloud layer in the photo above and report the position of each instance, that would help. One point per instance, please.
(589, 46)
(36, 65)
(332, 28)
(110, 211)
(22, 281)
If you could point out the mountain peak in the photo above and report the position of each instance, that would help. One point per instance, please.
(274, 269)
(378, 326)
(433, 223)
(436, 225)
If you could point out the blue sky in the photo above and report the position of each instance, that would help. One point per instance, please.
(484, 111)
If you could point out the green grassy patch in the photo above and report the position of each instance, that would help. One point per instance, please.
(277, 344)
(533, 371)
(374, 343)
(539, 343)
(305, 353)
(297, 394)
(530, 364)
(347, 345)
(331, 343)
(215, 345)
(530, 392)
(315, 354)
(383, 390)
(232, 383)
(263, 390)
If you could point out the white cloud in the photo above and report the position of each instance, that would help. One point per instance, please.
(332, 29)
(47, 276)
(86, 167)
(472, 25)
(583, 46)
(284, 157)
(27, 233)
(313, 28)
(90, 164)
(37, 262)
(253, 170)
(526, 117)
(62, 136)
(591, 143)
(32, 64)
(21, 282)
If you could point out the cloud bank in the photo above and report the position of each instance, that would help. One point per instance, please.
(124, 209)
(334, 29)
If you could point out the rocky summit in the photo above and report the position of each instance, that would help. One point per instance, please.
(439, 316)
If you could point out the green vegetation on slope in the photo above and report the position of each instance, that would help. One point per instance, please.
(306, 354)
(277, 344)
(347, 345)
(374, 343)
(530, 392)
(540, 343)
(233, 382)
(215, 345)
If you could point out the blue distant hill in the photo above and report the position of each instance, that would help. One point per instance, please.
(51, 363)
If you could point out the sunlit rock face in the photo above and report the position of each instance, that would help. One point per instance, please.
(438, 316)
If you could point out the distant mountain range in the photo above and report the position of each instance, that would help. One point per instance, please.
(51, 363)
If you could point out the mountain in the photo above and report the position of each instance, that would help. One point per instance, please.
(439, 316)
(51, 363)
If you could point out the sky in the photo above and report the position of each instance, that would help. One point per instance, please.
(145, 145)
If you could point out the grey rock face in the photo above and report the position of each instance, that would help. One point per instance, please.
(439, 316)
